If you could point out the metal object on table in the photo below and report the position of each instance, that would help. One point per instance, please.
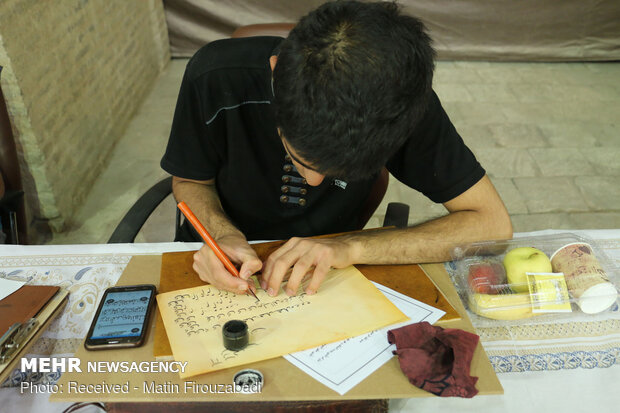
(15, 338)
(248, 381)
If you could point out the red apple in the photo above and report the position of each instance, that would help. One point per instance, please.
(486, 278)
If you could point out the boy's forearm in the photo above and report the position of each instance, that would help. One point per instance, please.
(429, 242)
(204, 202)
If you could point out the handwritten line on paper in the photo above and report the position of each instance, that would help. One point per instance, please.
(223, 306)
(344, 364)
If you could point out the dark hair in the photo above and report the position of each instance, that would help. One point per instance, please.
(351, 81)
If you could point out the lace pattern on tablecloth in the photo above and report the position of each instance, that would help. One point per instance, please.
(86, 277)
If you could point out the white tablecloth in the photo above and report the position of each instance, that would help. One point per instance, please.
(87, 270)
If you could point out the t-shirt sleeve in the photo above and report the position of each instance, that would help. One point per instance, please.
(435, 160)
(191, 151)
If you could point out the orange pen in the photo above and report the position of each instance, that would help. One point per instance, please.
(210, 241)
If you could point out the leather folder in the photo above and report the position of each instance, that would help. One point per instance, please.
(24, 304)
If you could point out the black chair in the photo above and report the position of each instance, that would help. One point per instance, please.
(396, 215)
(12, 209)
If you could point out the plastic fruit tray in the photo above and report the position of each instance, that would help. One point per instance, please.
(529, 277)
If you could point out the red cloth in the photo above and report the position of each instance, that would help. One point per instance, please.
(435, 359)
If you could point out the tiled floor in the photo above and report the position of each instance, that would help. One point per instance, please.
(548, 135)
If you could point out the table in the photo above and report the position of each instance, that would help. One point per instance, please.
(283, 381)
(579, 388)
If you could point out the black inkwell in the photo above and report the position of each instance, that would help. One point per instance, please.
(236, 336)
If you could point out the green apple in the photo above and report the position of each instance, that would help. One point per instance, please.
(521, 260)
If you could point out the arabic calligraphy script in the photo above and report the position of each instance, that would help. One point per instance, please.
(203, 312)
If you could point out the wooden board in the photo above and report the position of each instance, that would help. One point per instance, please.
(283, 381)
(411, 280)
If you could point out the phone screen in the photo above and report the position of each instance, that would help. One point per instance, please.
(122, 314)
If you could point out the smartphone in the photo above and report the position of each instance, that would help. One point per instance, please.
(122, 317)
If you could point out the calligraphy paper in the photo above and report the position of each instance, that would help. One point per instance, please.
(344, 364)
(346, 305)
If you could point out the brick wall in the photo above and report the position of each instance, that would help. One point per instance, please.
(75, 72)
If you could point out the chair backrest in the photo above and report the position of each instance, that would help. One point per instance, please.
(266, 29)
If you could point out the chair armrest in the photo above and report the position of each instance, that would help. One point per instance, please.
(137, 215)
(396, 215)
(9, 197)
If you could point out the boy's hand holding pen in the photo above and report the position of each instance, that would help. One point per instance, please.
(245, 255)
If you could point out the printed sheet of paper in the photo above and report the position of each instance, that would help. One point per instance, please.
(346, 305)
(8, 287)
(344, 364)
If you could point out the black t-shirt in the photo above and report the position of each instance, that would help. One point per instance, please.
(224, 128)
